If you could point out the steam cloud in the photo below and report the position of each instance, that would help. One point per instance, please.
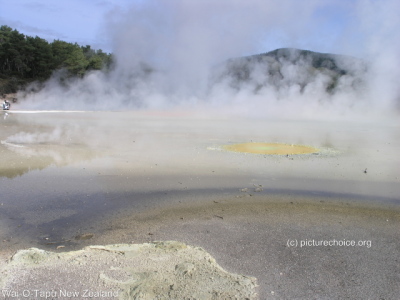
(36, 138)
(167, 52)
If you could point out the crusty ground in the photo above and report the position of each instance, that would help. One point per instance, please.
(161, 270)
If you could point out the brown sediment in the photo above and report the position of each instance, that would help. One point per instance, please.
(271, 148)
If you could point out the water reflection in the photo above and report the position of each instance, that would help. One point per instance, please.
(29, 144)
(17, 160)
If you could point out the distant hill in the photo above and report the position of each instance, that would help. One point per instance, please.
(288, 67)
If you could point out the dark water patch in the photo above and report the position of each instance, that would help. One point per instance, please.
(59, 222)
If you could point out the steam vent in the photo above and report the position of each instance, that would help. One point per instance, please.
(271, 148)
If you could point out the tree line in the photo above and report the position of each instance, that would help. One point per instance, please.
(24, 59)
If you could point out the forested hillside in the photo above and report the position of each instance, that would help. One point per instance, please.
(286, 68)
(24, 59)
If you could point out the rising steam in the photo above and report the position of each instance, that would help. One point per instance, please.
(169, 52)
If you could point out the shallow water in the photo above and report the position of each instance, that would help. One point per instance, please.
(61, 172)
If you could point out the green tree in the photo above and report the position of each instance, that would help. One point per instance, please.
(95, 63)
(76, 61)
(40, 58)
(13, 53)
(24, 58)
(61, 52)
(97, 60)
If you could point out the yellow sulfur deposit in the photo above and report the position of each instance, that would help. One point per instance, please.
(270, 148)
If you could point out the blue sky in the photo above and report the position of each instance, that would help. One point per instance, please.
(73, 20)
(339, 26)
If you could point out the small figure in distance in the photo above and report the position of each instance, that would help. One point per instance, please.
(6, 105)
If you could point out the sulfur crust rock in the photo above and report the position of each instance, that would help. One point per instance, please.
(158, 270)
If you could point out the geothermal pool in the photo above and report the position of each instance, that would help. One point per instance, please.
(271, 148)
(74, 179)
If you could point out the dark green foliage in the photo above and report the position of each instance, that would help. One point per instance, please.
(26, 59)
(10, 85)
(40, 58)
(76, 61)
(97, 59)
(13, 52)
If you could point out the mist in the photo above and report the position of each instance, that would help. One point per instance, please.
(168, 54)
